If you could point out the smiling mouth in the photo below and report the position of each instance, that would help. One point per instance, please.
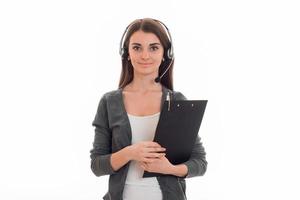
(145, 63)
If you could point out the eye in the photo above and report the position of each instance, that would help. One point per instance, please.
(154, 48)
(136, 48)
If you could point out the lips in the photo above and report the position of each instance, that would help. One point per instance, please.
(145, 63)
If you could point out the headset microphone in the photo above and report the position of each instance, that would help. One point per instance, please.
(158, 79)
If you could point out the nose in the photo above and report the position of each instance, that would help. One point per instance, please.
(145, 54)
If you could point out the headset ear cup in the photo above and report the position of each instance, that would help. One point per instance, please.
(170, 54)
(125, 54)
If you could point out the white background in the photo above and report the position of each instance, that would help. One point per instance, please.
(57, 59)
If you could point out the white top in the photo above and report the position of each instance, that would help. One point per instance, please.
(136, 187)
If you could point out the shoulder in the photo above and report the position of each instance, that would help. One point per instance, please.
(108, 98)
(111, 94)
(178, 95)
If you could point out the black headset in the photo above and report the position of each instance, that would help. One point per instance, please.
(170, 52)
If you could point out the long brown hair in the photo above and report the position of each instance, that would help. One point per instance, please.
(147, 25)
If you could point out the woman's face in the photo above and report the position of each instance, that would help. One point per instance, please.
(145, 53)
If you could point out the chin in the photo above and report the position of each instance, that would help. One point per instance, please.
(146, 71)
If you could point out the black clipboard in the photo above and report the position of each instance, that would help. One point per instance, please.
(177, 129)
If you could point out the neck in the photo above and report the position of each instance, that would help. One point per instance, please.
(144, 84)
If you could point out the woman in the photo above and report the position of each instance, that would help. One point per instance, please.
(126, 119)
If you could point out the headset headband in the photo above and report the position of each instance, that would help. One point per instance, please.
(170, 52)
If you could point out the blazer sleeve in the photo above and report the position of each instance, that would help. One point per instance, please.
(101, 152)
(197, 163)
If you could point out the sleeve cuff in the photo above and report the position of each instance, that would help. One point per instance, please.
(105, 164)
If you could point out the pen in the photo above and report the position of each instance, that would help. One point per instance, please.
(169, 101)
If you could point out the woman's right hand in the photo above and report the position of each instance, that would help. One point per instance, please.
(145, 151)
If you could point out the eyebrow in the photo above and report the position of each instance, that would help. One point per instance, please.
(152, 44)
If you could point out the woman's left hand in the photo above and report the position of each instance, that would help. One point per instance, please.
(160, 165)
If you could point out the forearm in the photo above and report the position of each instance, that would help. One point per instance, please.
(120, 158)
(180, 170)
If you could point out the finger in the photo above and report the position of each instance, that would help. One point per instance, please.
(155, 155)
(143, 166)
(157, 149)
(139, 163)
(152, 144)
(162, 155)
(149, 160)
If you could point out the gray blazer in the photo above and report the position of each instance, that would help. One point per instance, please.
(113, 132)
